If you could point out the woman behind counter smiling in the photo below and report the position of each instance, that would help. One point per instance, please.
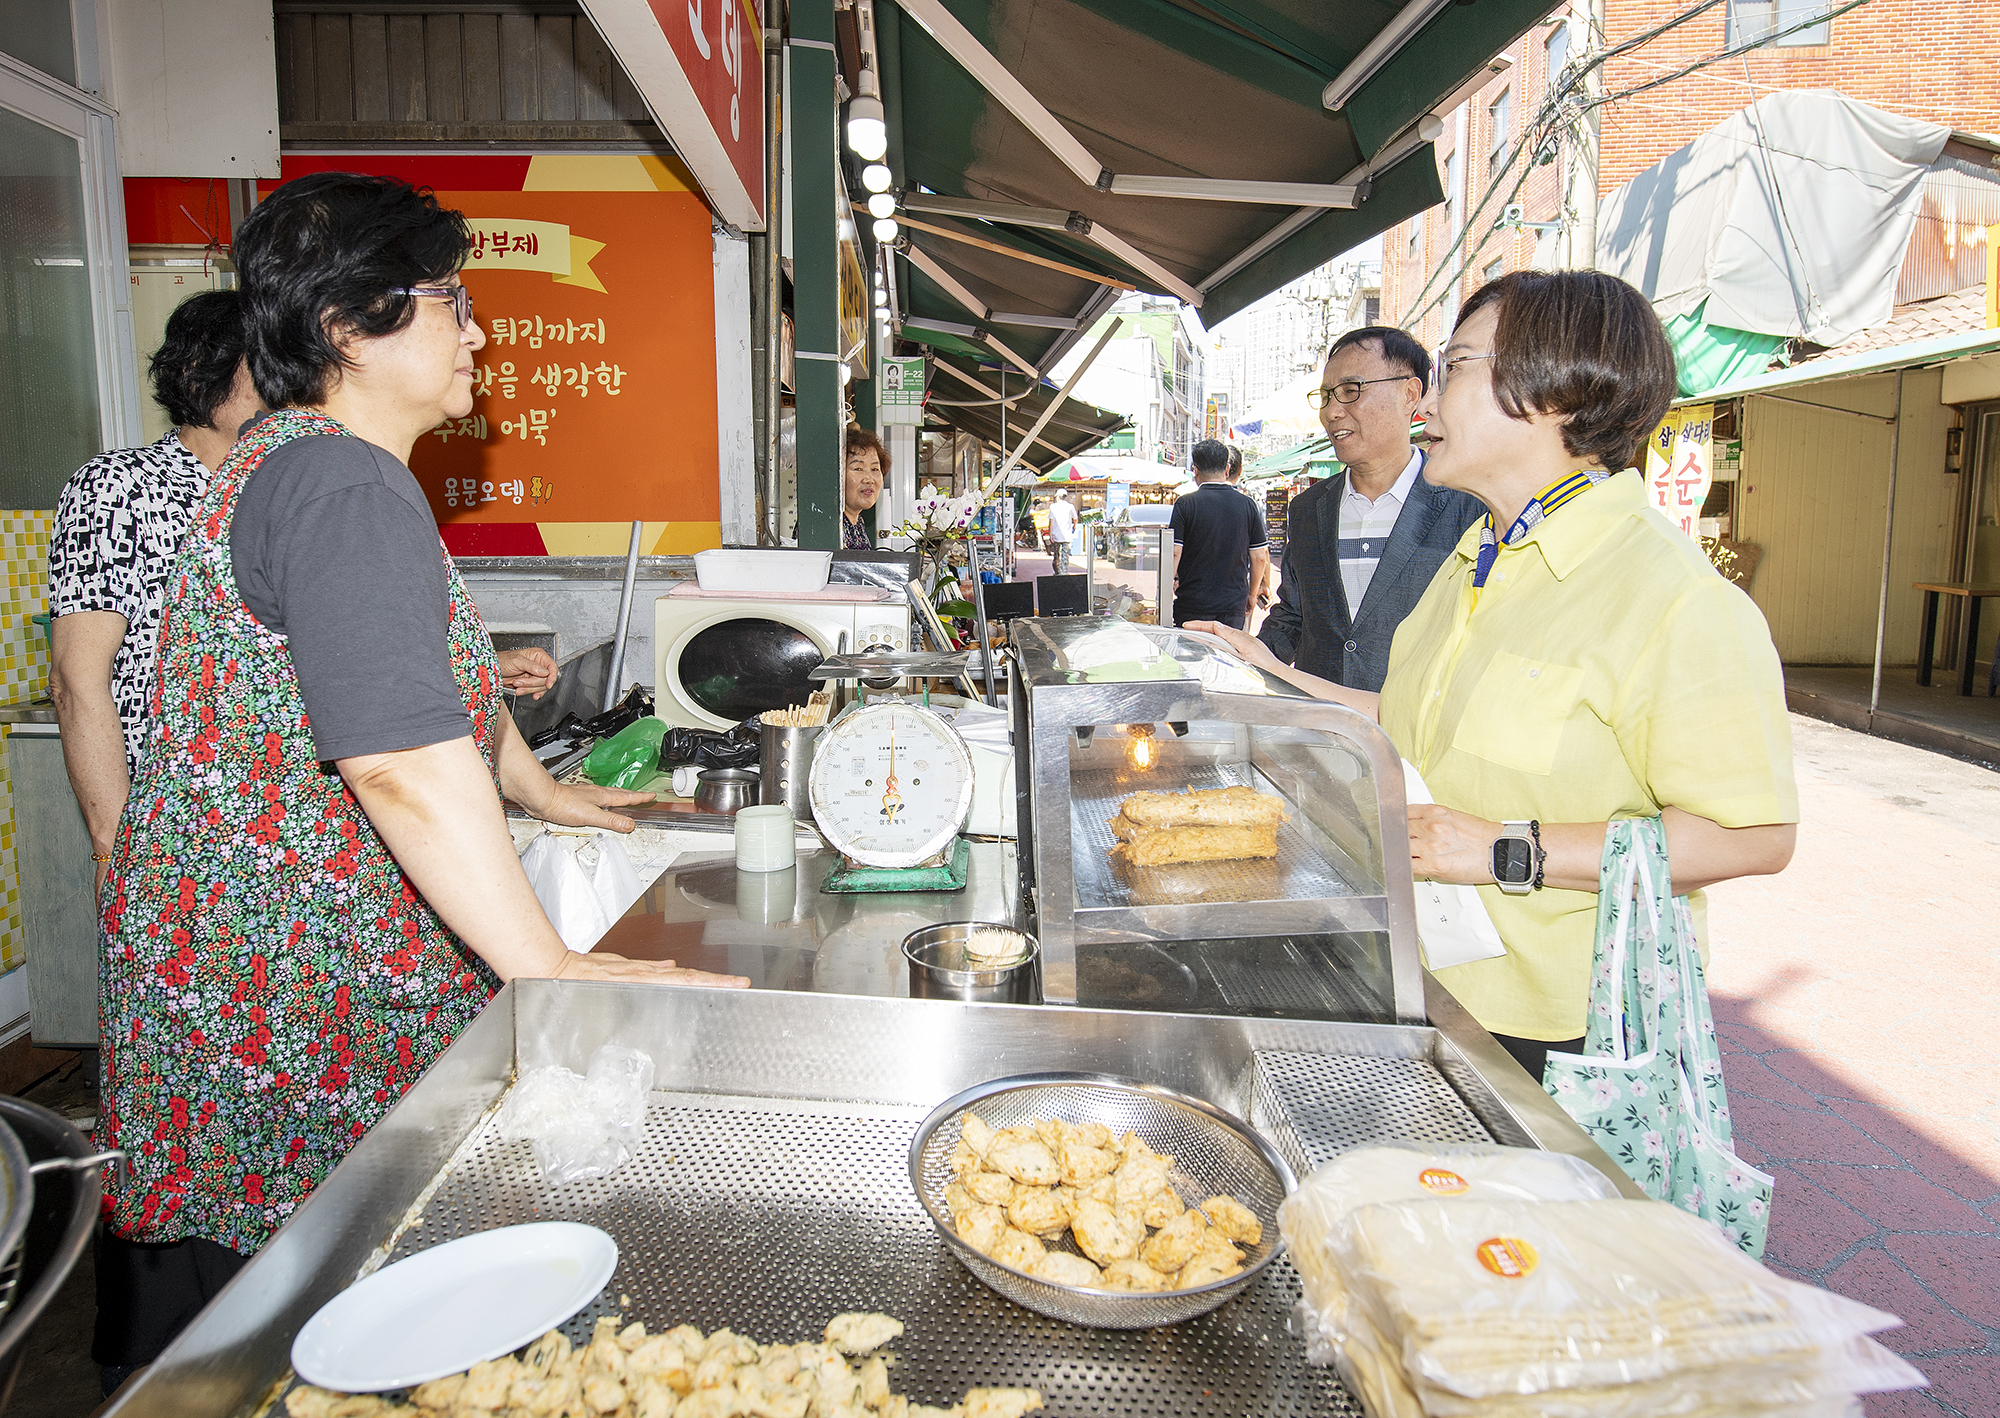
(313, 888)
(1588, 665)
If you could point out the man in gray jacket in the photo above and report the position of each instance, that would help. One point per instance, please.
(1362, 546)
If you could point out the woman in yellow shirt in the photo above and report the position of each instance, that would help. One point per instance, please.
(1586, 665)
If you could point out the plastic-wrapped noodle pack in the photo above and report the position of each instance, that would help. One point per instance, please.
(1504, 1283)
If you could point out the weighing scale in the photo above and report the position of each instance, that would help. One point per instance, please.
(890, 785)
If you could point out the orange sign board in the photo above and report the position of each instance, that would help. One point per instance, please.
(594, 396)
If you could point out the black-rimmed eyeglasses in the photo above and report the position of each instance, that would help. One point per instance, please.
(459, 296)
(1348, 390)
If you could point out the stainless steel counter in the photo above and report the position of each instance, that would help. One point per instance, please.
(770, 1191)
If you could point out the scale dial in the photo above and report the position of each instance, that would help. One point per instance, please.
(890, 785)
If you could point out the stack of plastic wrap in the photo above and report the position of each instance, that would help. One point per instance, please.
(1499, 1282)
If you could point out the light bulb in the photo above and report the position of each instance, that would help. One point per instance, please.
(885, 230)
(881, 296)
(867, 134)
(846, 373)
(881, 205)
(875, 177)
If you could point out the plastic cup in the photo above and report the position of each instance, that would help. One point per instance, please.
(764, 840)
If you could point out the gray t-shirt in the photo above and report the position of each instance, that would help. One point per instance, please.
(335, 548)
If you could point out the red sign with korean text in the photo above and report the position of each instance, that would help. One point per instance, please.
(720, 46)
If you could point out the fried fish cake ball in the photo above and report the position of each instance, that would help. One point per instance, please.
(862, 1333)
(1233, 1219)
(957, 1198)
(1139, 1177)
(1100, 1190)
(1018, 1249)
(965, 1161)
(1040, 1211)
(1213, 1259)
(1025, 1160)
(1161, 1207)
(1083, 1164)
(1175, 1243)
(1102, 1235)
(1062, 1268)
(1133, 1275)
(992, 1188)
(974, 1132)
(998, 1402)
(440, 1394)
(980, 1227)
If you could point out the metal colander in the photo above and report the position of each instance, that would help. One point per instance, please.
(1214, 1154)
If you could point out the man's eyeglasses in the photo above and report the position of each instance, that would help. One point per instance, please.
(1446, 366)
(1348, 390)
(459, 296)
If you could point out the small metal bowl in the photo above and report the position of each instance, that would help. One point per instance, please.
(726, 791)
(940, 967)
(1214, 1154)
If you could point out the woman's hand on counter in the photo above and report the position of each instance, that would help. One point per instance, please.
(586, 804)
(531, 672)
(598, 965)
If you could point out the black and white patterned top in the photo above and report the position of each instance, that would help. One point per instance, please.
(118, 525)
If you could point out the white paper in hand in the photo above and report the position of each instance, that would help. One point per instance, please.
(581, 904)
(1452, 925)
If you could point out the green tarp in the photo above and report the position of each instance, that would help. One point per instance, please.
(1709, 356)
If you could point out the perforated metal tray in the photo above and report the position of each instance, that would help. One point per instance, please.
(1300, 872)
(771, 1189)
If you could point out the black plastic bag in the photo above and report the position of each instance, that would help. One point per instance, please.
(636, 705)
(736, 748)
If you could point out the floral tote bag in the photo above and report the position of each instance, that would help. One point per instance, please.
(1648, 1085)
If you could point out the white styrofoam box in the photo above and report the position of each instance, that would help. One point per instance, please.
(752, 569)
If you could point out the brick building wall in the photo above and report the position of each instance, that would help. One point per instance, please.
(1938, 60)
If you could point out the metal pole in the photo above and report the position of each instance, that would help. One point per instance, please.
(773, 372)
(624, 617)
(1163, 541)
(1888, 538)
(1090, 567)
(979, 613)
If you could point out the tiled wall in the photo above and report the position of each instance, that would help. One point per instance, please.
(24, 675)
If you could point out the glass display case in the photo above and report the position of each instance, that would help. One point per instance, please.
(1325, 928)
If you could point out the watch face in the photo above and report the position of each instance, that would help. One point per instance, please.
(1513, 861)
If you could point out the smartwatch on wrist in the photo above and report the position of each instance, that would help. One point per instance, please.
(1518, 858)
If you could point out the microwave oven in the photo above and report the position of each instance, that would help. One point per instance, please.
(718, 661)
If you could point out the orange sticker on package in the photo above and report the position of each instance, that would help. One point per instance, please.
(1441, 1181)
(1508, 1257)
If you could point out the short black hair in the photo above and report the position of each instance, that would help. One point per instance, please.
(1235, 460)
(195, 366)
(321, 257)
(1211, 455)
(1585, 346)
(1398, 347)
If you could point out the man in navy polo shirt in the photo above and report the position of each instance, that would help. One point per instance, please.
(1220, 550)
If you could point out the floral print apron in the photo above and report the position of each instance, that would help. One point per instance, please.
(272, 983)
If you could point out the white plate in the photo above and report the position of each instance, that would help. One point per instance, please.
(448, 1308)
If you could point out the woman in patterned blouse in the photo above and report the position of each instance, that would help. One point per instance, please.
(289, 948)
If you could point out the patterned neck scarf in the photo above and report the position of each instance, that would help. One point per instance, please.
(1540, 506)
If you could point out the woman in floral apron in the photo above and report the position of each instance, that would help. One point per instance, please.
(313, 889)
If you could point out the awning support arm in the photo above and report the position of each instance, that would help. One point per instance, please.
(949, 368)
(1888, 542)
(984, 245)
(1000, 475)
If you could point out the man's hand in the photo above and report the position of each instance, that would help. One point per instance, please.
(1451, 846)
(531, 672)
(585, 804)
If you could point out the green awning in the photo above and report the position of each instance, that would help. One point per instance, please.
(1313, 457)
(965, 394)
(1225, 90)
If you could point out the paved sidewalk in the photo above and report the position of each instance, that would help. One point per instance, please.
(1855, 995)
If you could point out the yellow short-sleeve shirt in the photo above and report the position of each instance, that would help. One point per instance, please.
(1604, 671)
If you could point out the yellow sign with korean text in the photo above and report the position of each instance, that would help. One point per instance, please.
(516, 244)
(1680, 465)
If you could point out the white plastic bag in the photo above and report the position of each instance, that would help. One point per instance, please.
(584, 883)
(582, 1125)
(1453, 926)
